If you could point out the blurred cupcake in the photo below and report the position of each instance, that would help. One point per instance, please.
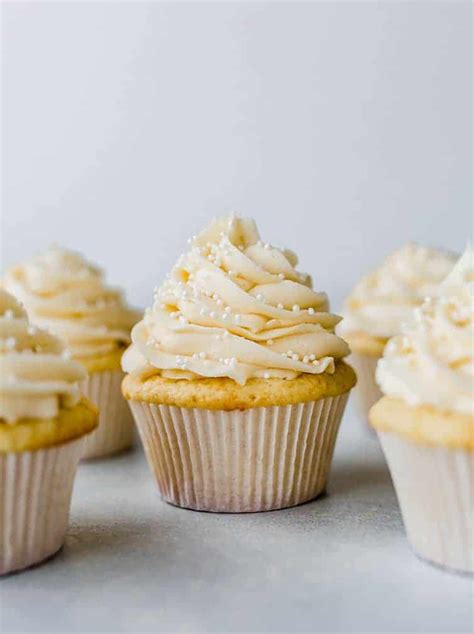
(64, 293)
(43, 423)
(383, 301)
(425, 421)
(236, 380)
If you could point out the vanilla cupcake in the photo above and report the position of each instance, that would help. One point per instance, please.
(66, 294)
(381, 303)
(425, 421)
(43, 424)
(237, 382)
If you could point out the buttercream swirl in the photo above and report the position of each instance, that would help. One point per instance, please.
(235, 307)
(432, 362)
(62, 291)
(385, 299)
(37, 377)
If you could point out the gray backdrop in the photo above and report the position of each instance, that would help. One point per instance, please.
(344, 128)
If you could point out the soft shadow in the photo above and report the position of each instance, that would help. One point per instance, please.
(351, 477)
(103, 545)
(134, 450)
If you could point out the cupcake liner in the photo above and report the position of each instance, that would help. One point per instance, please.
(115, 430)
(35, 495)
(236, 461)
(366, 392)
(435, 490)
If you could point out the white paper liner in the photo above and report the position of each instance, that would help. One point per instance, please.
(435, 490)
(366, 393)
(35, 495)
(240, 461)
(115, 430)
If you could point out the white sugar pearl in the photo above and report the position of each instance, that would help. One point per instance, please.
(311, 310)
(10, 343)
(295, 307)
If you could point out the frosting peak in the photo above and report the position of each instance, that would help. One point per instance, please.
(385, 298)
(37, 377)
(235, 307)
(432, 362)
(64, 292)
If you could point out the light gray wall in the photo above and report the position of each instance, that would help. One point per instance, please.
(344, 128)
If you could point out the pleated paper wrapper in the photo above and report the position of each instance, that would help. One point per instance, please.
(35, 496)
(240, 461)
(435, 490)
(116, 429)
(366, 393)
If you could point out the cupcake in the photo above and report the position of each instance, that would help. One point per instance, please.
(66, 294)
(236, 379)
(425, 421)
(43, 423)
(381, 303)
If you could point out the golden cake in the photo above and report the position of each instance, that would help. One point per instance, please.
(236, 377)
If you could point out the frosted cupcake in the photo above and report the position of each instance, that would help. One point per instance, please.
(425, 421)
(43, 424)
(381, 303)
(66, 294)
(236, 380)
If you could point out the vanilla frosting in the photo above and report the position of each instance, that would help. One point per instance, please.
(235, 307)
(432, 362)
(37, 376)
(65, 293)
(384, 300)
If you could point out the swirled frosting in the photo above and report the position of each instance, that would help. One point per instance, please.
(384, 300)
(235, 307)
(432, 362)
(65, 293)
(37, 377)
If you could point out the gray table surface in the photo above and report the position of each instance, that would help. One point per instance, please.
(135, 564)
